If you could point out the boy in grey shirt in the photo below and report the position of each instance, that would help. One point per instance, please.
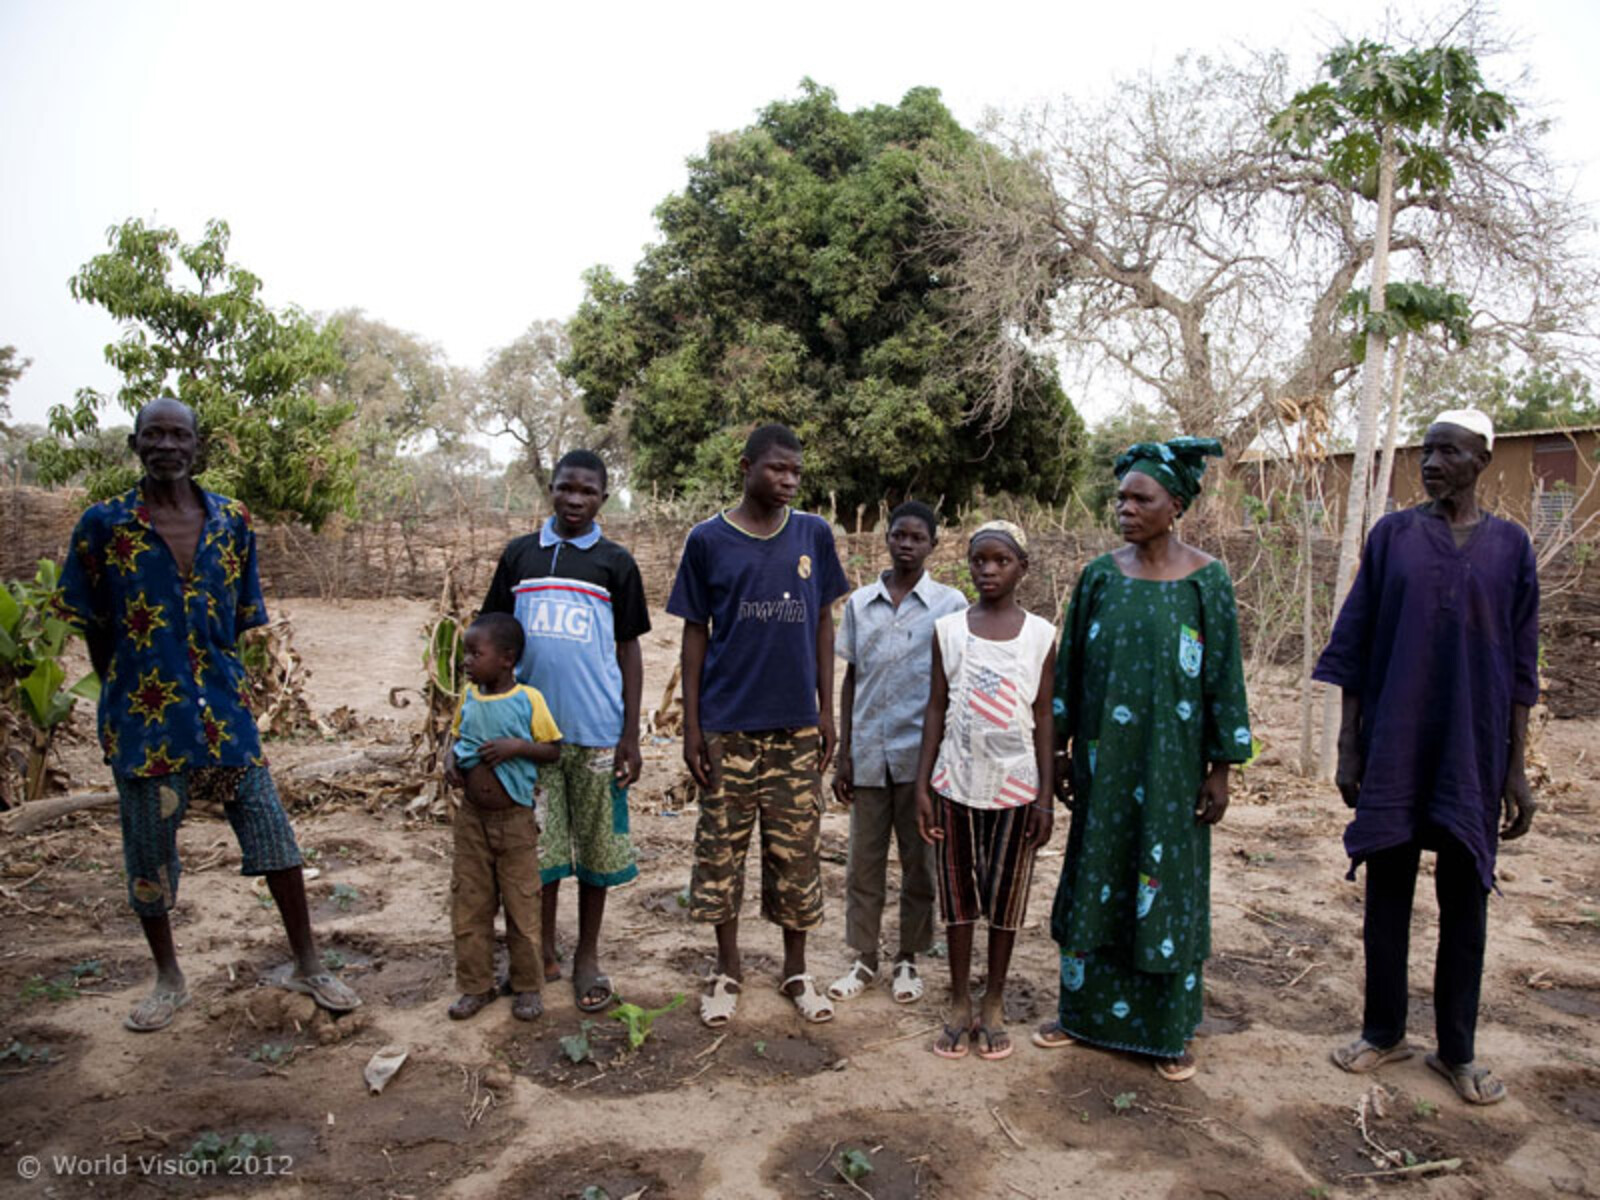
(886, 639)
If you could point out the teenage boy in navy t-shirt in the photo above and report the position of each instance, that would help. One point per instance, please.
(755, 589)
(582, 607)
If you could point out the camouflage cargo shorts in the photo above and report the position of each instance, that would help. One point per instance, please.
(772, 775)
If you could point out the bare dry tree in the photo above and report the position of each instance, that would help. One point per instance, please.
(1165, 244)
(522, 394)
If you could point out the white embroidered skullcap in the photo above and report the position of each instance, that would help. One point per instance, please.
(1469, 418)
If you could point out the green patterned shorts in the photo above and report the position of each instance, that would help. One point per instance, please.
(771, 775)
(584, 819)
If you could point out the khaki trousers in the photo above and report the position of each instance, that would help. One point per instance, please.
(875, 814)
(496, 863)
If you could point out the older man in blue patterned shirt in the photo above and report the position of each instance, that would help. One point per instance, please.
(161, 581)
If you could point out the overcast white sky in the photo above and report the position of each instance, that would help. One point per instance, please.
(451, 169)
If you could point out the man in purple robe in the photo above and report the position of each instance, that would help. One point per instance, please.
(1436, 650)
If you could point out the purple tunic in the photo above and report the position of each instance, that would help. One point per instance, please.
(1440, 642)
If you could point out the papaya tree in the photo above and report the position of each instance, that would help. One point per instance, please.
(1409, 308)
(1380, 124)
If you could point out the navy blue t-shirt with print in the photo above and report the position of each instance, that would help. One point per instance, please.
(763, 598)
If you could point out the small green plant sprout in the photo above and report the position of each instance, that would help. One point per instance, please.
(683, 897)
(576, 1045)
(345, 896)
(333, 960)
(1123, 1101)
(312, 855)
(274, 1053)
(89, 968)
(638, 1020)
(853, 1164)
(212, 1147)
(37, 987)
(761, 1049)
(594, 1192)
(25, 1055)
(1317, 1193)
(1083, 1116)
(1426, 1108)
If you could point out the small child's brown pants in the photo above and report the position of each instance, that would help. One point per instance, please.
(496, 863)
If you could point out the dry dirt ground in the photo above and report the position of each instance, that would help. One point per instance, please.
(494, 1107)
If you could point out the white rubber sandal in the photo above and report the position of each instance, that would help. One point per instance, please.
(719, 1004)
(812, 1004)
(907, 985)
(853, 982)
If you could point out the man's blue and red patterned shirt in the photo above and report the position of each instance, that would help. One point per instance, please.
(174, 697)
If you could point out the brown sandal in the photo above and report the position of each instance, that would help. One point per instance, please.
(1361, 1057)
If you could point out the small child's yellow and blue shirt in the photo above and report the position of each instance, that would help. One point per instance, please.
(519, 713)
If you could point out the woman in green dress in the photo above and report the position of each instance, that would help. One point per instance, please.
(1150, 711)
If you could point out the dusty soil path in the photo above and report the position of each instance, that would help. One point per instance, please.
(493, 1107)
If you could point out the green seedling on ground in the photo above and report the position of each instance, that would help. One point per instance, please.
(638, 1020)
(1123, 1101)
(89, 968)
(37, 987)
(211, 1147)
(333, 960)
(345, 896)
(312, 856)
(594, 1192)
(576, 1045)
(761, 1049)
(21, 1052)
(276, 1053)
(1427, 1108)
(853, 1164)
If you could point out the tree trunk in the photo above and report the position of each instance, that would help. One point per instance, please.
(1366, 429)
(1308, 649)
(1379, 503)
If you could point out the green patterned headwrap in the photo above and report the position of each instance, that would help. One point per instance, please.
(1176, 465)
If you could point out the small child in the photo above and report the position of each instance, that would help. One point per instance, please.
(502, 729)
(983, 779)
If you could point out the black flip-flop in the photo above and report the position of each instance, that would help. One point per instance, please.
(582, 987)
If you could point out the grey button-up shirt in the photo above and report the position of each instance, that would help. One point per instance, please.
(892, 651)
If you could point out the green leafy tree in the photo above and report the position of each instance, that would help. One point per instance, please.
(795, 281)
(1109, 438)
(1517, 395)
(1380, 123)
(11, 369)
(1543, 397)
(407, 401)
(198, 330)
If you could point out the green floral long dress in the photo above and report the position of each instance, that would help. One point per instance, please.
(1149, 690)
